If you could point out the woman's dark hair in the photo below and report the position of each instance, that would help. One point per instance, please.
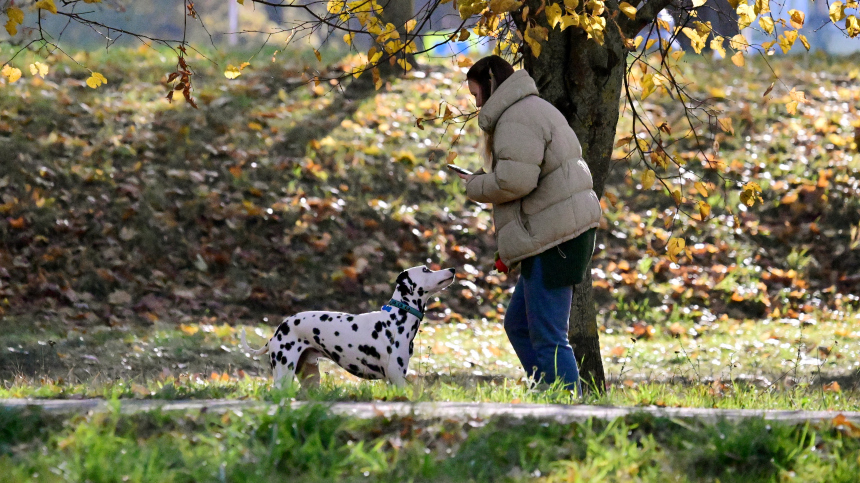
(489, 73)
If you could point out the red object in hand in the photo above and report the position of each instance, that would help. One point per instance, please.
(500, 266)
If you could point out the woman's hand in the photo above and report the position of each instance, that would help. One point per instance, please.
(466, 177)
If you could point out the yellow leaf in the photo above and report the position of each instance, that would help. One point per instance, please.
(648, 85)
(630, 10)
(404, 64)
(334, 6)
(675, 247)
(767, 45)
(798, 96)
(569, 21)
(750, 193)
(698, 3)
(766, 24)
(451, 156)
(701, 188)
(318, 55)
(243, 65)
(696, 41)
(650, 43)
(717, 45)
(47, 5)
(726, 124)
(738, 59)
(803, 41)
(791, 107)
(786, 41)
(232, 72)
(797, 18)
(39, 68)
(377, 79)
(676, 55)
(11, 73)
(15, 14)
(852, 26)
(12, 28)
(746, 15)
(348, 37)
(837, 11)
(532, 37)
(704, 210)
(637, 41)
(410, 25)
(761, 7)
(240, 2)
(189, 329)
(739, 42)
(96, 80)
(648, 179)
(643, 144)
(464, 62)
(553, 14)
(464, 35)
(571, 4)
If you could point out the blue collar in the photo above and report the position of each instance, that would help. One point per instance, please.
(404, 306)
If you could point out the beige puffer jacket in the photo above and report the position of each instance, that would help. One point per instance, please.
(539, 185)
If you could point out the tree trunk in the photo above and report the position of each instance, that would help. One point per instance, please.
(583, 80)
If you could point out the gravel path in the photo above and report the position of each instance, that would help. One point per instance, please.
(443, 410)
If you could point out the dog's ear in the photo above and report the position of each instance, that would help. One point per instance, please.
(404, 284)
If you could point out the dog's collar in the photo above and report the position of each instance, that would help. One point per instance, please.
(404, 306)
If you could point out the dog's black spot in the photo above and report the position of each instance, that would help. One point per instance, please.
(392, 316)
(349, 345)
(397, 344)
(349, 319)
(280, 354)
(410, 348)
(400, 361)
(317, 340)
(369, 350)
(316, 331)
(324, 317)
(289, 345)
(336, 333)
(421, 291)
(291, 366)
(355, 327)
(296, 322)
(404, 284)
(353, 369)
(374, 334)
(400, 330)
(335, 357)
(283, 346)
(285, 329)
(338, 348)
(388, 348)
(279, 337)
(378, 326)
(389, 335)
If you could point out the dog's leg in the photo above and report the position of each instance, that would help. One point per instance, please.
(285, 369)
(397, 379)
(309, 369)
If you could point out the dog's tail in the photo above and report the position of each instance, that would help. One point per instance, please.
(247, 348)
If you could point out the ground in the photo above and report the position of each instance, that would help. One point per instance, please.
(138, 237)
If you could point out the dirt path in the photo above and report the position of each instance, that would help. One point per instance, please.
(443, 410)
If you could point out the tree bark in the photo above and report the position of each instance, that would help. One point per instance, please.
(583, 80)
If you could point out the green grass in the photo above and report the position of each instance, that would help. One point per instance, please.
(309, 444)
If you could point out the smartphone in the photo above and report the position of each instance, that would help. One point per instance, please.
(454, 167)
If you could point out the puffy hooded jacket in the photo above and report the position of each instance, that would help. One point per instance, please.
(538, 183)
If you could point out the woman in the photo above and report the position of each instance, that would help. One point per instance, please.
(544, 210)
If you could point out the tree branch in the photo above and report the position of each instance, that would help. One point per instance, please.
(645, 15)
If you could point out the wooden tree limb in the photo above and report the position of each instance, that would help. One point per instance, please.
(646, 14)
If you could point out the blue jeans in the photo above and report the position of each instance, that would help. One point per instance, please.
(536, 323)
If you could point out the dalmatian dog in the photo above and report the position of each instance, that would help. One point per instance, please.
(374, 345)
